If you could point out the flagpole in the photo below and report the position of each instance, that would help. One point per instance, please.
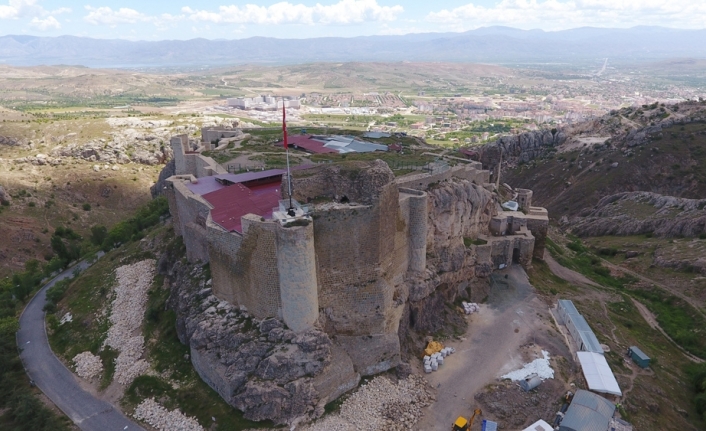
(286, 146)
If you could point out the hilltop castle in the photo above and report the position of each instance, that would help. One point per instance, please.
(362, 251)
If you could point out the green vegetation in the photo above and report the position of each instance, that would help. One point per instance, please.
(544, 280)
(697, 376)
(678, 319)
(468, 242)
(588, 264)
(132, 229)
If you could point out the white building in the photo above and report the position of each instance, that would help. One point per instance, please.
(262, 103)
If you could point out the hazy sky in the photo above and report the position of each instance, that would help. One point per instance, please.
(230, 19)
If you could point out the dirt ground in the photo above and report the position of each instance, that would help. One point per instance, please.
(513, 326)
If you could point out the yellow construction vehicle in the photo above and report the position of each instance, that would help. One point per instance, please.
(462, 424)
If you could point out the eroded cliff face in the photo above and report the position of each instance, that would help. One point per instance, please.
(523, 147)
(260, 367)
(635, 213)
(457, 210)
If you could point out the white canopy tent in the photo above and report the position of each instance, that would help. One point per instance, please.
(598, 374)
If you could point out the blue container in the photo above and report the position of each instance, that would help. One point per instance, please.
(489, 425)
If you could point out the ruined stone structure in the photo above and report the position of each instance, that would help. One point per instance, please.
(368, 247)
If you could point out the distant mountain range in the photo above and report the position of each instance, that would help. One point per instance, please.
(486, 45)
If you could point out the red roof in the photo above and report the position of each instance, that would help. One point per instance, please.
(233, 202)
(310, 145)
(469, 153)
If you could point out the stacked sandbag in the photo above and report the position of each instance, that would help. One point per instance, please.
(470, 307)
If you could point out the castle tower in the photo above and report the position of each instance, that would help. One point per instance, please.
(524, 198)
(296, 264)
(180, 144)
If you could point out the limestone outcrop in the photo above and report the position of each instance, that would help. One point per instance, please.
(523, 147)
(635, 213)
(4, 196)
(10, 142)
(158, 188)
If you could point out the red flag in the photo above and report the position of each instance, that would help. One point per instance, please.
(284, 125)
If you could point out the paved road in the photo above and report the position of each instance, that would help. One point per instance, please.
(54, 379)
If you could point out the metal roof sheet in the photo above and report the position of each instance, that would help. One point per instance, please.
(568, 306)
(251, 176)
(640, 354)
(376, 135)
(366, 147)
(586, 333)
(540, 425)
(233, 202)
(598, 374)
(309, 144)
(587, 412)
(205, 185)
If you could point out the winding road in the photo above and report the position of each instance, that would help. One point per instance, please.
(87, 411)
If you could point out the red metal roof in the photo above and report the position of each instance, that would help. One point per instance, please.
(307, 144)
(233, 202)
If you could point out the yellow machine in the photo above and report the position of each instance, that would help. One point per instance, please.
(462, 424)
(433, 347)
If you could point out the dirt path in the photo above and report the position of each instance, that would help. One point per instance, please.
(490, 348)
(652, 321)
(567, 274)
(674, 292)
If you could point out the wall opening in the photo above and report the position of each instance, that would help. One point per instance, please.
(515, 255)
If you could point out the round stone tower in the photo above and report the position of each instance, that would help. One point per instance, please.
(296, 264)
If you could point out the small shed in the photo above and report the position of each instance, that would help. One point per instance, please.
(530, 382)
(639, 356)
(587, 412)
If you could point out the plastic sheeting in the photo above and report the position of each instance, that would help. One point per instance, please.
(598, 374)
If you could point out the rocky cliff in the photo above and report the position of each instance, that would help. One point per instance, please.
(260, 367)
(635, 213)
(521, 148)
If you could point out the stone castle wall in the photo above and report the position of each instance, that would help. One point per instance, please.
(193, 211)
(472, 172)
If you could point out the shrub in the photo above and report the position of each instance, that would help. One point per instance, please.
(86, 206)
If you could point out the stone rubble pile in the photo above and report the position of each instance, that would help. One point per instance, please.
(88, 365)
(165, 420)
(380, 405)
(128, 310)
(470, 307)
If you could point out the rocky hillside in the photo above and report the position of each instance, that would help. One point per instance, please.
(656, 148)
(635, 213)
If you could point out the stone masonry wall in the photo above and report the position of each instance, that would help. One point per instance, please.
(245, 269)
(471, 172)
(418, 213)
(349, 277)
(190, 223)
